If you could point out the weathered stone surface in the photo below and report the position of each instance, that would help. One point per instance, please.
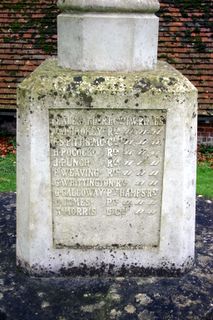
(110, 5)
(90, 143)
(108, 35)
(110, 42)
(107, 176)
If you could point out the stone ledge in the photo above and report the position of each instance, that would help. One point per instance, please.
(148, 6)
(50, 78)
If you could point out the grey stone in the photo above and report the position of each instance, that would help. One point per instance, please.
(91, 307)
(109, 5)
(115, 314)
(143, 299)
(130, 309)
(146, 315)
(105, 39)
(107, 42)
(106, 170)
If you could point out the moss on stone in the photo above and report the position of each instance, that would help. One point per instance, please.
(50, 79)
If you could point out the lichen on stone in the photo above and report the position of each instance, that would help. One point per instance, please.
(51, 80)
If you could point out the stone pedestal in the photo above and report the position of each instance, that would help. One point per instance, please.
(106, 171)
(106, 154)
(108, 35)
(110, 42)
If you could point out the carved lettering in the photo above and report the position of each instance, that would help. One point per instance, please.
(106, 166)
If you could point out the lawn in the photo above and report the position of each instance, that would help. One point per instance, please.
(205, 180)
(8, 168)
(7, 163)
(8, 173)
(205, 171)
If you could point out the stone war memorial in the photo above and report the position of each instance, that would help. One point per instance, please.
(106, 149)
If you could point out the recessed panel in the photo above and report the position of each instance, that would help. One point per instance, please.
(106, 176)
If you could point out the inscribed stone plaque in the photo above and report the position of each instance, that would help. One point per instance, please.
(106, 175)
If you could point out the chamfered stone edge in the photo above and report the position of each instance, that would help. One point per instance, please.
(53, 87)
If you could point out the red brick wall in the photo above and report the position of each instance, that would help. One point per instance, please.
(205, 133)
(28, 36)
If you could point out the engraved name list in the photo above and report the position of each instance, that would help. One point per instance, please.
(106, 170)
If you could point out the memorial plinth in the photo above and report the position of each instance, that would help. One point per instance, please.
(106, 149)
(106, 171)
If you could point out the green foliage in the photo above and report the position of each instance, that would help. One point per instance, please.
(206, 150)
(190, 5)
(8, 173)
(199, 45)
(15, 26)
(205, 180)
(6, 40)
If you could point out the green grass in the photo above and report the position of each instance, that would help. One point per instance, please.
(8, 173)
(205, 180)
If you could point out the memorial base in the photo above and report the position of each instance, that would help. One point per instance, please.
(106, 171)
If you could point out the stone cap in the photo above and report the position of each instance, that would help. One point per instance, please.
(140, 6)
(50, 79)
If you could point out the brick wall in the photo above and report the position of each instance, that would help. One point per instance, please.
(205, 131)
(185, 40)
(28, 36)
